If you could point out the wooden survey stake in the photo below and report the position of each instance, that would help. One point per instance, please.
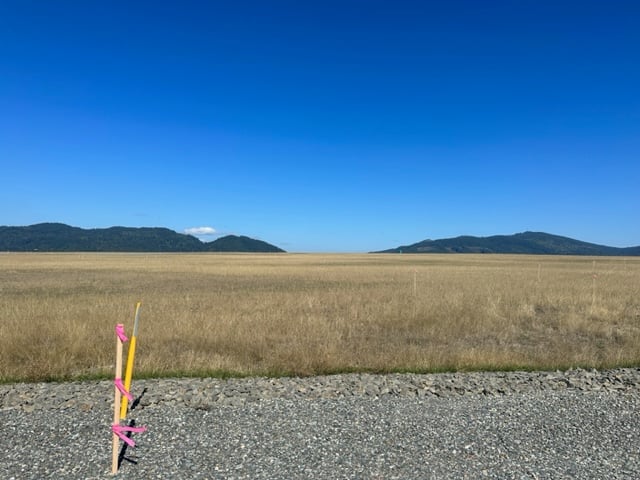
(116, 400)
(117, 429)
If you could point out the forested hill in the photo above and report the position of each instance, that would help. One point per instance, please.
(58, 237)
(526, 243)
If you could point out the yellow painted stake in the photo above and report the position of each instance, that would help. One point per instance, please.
(128, 373)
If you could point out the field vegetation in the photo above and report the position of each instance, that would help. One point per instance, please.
(297, 314)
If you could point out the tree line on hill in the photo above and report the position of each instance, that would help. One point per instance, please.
(526, 243)
(58, 237)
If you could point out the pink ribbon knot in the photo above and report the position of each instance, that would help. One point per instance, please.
(120, 333)
(118, 383)
(120, 429)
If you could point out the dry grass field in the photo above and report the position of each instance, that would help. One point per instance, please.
(235, 314)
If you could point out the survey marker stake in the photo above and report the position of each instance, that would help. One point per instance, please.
(120, 338)
(128, 373)
(119, 391)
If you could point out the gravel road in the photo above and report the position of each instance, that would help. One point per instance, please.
(576, 424)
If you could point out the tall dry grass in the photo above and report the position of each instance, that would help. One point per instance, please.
(307, 314)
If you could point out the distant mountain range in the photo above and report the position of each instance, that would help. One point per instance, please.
(58, 237)
(526, 243)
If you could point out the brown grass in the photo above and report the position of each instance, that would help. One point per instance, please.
(306, 314)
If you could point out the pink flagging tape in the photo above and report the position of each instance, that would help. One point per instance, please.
(120, 333)
(123, 391)
(120, 429)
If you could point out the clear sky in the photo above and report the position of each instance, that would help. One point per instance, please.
(341, 126)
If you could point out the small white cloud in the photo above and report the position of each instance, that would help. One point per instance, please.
(200, 231)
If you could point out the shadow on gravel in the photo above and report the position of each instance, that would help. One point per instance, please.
(135, 403)
(132, 423)
(123, 450)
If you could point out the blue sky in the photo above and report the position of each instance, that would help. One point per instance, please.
(340, 126)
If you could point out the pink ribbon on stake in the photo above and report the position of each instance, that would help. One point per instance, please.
(120, 429)
(120, 333)
(120, 386)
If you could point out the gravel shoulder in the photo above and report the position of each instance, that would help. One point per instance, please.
(576, 424)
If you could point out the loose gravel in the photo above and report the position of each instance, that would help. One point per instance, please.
(517, 425)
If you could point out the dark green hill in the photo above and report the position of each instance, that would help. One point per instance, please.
(58, 237)
(526, 243)
(234, 243)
